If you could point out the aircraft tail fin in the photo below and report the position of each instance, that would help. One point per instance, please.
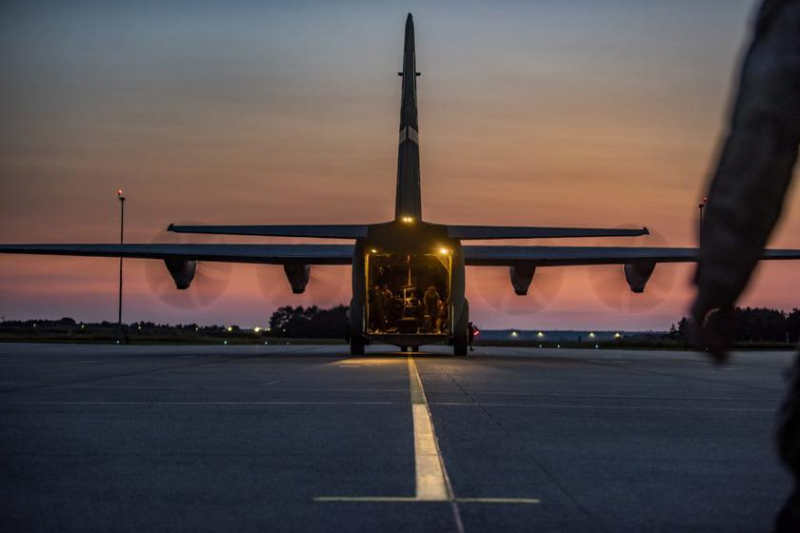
(408, 202)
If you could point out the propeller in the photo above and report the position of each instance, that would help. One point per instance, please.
(209, 282)
(327, 285)
(610, 286)
(492, 286)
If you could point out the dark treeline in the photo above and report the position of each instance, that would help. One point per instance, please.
(286, 322)
(754, 324)
(309, 322)
(70, 324)
(291, 322)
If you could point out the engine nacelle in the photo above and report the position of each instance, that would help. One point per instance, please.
(638, 273)
(182, 271)
(298, 275)
(521, 277)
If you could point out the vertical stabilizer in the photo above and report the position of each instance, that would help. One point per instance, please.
(409, 198)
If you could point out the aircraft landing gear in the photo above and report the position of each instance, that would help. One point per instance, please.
(356, 345)
(460, 342)
(460, 333)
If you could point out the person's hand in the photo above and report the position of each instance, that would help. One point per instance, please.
(712, 331)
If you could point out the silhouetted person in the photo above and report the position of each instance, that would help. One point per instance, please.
(441, 315)
(431, 300)
(387, 294)
(745, 200)
(471, 331)
(389, 307)
(379, 308)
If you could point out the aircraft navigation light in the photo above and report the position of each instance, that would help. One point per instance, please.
(119, 192)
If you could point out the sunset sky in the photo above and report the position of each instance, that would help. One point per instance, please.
(580, 113)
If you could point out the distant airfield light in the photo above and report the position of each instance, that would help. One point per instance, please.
(269, 329)
(407, 220)
(83, 326)
(197, 328)
(257, 329)
(230, 329)
(374, 251)
(514, 334)
(558, 346)
(540, 334)
(119, 192)
(225, 343)
(591, 334)
(444, 251)
(617, 336)
(596, 346)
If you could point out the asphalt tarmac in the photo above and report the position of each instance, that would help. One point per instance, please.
(307, 438)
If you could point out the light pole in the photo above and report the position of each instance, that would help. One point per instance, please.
(121, 241)
(701, 207)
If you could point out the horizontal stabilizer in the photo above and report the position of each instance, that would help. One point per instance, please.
(589, 255)
(525, 232)
(322, 231)
(276, 254)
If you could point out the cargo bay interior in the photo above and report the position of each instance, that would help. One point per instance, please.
(408, 293)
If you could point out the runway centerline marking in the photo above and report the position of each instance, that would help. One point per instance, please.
(432, 481)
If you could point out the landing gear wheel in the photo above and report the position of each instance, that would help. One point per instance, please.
(460, 344)
(356, 345)
(460, 335)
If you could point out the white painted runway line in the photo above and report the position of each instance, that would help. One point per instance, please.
(432, 481)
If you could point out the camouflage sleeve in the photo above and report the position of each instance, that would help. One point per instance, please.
(756, 162)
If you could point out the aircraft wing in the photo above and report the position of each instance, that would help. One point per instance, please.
(275, 254)
(526, 232)
(321, 231)
(588, 255)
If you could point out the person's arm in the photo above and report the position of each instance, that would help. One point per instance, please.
(755, 166)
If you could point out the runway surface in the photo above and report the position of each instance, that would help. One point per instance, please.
(290, 438)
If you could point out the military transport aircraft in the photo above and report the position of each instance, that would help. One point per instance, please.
(408, 273)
